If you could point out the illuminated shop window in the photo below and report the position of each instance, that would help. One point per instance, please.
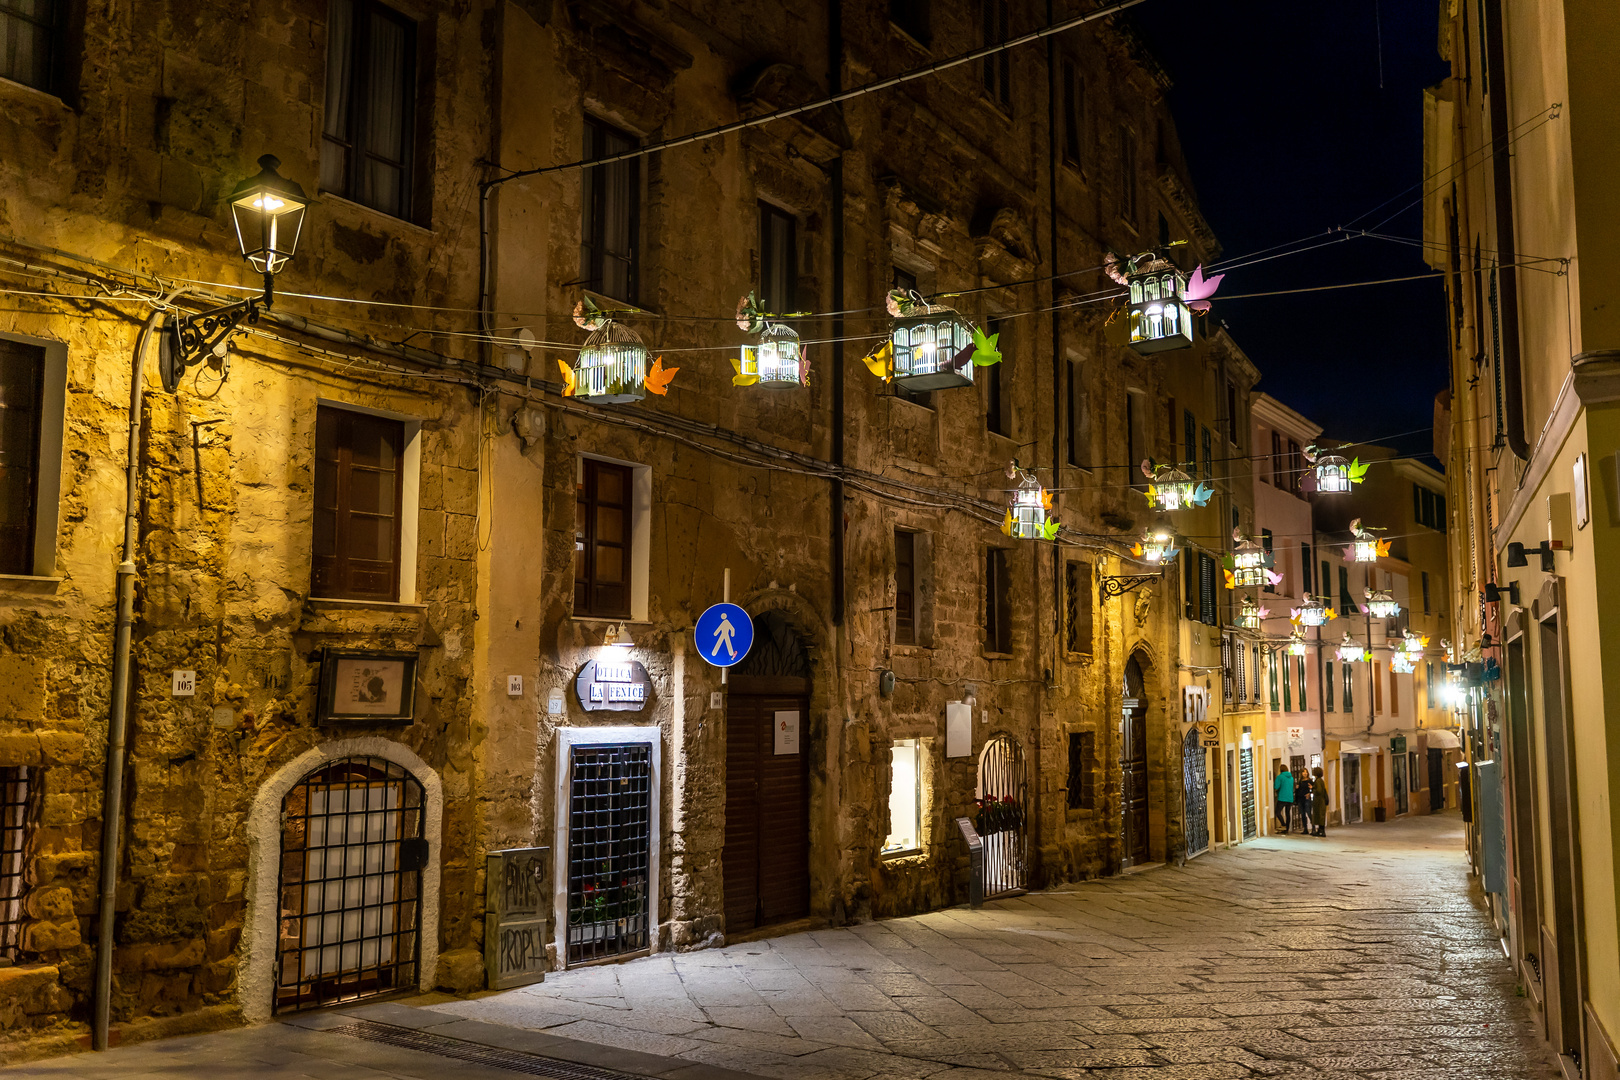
(905, 798)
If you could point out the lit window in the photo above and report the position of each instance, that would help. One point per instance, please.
(905, 798)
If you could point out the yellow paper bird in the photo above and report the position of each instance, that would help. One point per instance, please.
(1231, 582)
(568, 377)
(1007, 523)
(741, 379)
(1331, 614)
(658, 378)
(878, 361)
(1136, 549)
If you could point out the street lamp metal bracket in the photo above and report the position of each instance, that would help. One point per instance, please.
(1119, 585)
(188, 340)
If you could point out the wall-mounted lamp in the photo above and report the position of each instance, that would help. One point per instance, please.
(1495, 592)
(1517, 555)
(268, 212)
(618, 636)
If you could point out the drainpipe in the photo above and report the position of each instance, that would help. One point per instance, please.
(1507, 281)
(112, 801)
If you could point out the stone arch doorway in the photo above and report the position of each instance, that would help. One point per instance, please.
(387, 764)
(765, 863)
(1133, 761)
(1003, 817)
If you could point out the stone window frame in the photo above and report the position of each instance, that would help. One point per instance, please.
(19, 818)
(919, 746)
(410, 501)
(922, 587)
(996, 604)
(641, 483)
(49, 449)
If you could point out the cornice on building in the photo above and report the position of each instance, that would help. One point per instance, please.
(1274, 414)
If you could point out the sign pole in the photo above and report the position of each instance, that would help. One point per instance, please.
(725, 597)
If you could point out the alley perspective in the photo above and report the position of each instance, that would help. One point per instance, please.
(1366, 955)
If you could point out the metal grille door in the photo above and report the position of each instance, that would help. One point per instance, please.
(1003, 816)
(1193, 767)
(609, 847)
(1251, 827)
(15, 819)
(352, 854)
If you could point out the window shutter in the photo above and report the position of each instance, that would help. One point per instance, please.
(1327, 684)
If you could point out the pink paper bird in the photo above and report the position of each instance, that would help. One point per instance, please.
(1273, 577)
(1199, 289)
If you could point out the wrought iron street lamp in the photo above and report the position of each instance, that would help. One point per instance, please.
(267, 211)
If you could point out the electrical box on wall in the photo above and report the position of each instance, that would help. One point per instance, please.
(1560, 522)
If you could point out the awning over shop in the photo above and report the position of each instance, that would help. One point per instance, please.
(1440, 739)
(1356, 746)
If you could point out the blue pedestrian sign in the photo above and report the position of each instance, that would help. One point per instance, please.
(724, 634)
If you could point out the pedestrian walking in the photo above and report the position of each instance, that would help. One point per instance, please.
(1302, 802)
(1319, 805)
(1283, 786)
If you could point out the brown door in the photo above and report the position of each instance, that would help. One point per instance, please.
(1134, 766)
(766, 860)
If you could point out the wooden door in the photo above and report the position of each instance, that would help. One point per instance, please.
(1133, 749)
(1351, 810)
(766, 860)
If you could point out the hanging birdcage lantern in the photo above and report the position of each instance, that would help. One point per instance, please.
(775, 359)
(1350, 652)
(1250, 615)
(1412, 648)
(1365, 546)
(1249, 563)
(1171, 488)
(1313, 612)
(1296, 642)
(1159, 318)
(1333, 475)
(1401, 664)
(1381, 604)
(1026, 517)
(1158, 545)
(611, 368)
(934, 348)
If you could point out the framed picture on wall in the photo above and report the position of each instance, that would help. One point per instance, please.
(370, 686)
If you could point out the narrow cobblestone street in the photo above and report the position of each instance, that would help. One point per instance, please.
(1365, 955)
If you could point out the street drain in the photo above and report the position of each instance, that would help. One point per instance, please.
(478, 1054)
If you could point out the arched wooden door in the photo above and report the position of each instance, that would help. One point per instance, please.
(765, 863)
(352, 853)
(1003, 816)
(1133, 766)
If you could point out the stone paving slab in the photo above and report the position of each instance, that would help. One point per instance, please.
(1366, 955)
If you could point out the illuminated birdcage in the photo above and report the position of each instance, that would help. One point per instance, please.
(1296, 643)
(1351, 652)
(1381, 604)
(775, 360)
(1029, 509)
(1401, 664)
(1249, 615)
(1159, 317)
(1156, 546)
(612, 366)
(1412, 648)
(1250, 561)
(1312, 612)
(1172, 489)
(1332, 475)
(933, 348)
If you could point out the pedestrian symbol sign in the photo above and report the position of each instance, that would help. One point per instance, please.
(724, 634)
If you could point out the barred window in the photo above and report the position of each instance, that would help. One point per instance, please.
(1242, 675)
(1077, 589)
(1082, 770)
(16, 823)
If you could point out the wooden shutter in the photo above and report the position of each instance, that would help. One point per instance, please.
(905, 587)
(602, 536)
(359, 484)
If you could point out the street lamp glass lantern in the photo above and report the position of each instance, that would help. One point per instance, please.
(268, 212)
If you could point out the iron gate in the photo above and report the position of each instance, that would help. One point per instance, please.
(352, 854)
(1246, 780)
(1194, 769)
(609, 848)
(1003, 799)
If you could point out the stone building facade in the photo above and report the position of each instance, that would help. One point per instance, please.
(415, 337)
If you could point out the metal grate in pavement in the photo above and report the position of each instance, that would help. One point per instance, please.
(493, 1056)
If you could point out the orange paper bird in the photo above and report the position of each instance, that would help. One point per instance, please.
(1231, 582)
(1383, 548)
(568, 377)
(658, 378)
(1046, 499)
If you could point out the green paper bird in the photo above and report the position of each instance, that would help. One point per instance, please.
(1358, 471)
(985, 352)
(1049, 529)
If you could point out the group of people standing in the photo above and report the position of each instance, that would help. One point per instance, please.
(1305, 801)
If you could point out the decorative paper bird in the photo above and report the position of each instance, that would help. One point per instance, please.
(741, 379)
(985, 352)
(1046, 499)
(1358, 471)
(1201, 494)
(568, 377)
(658, 378)
(1007, 523)
(1273, 578)
(1049, 529)
(880, 361)
(1199, 289)
(1383, 547)
(1230, 582)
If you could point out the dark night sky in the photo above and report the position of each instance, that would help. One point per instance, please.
(1287, 133)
